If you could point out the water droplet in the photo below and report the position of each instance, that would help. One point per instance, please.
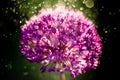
(65, 0)
(20, 6)
(35, 7)
(32, 12)
(68, 3)
(25, 73)
(110, 13)
(16, 12)
(73, 5)
(23, 14)
(83, 1)
(89, 3)
(18, 2)
(102, 7)
(10, 34)
(81, 8)
(106, 31)
(25, 67)
(8, 66)
(13, 10)
(114, 28)
(20, 22)
(28, 3)
(75, 0)
(43, 2)
(39, 5)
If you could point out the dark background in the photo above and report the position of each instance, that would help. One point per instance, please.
(108, 18)
(109, 67)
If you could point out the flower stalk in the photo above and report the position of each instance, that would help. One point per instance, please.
(62, 76)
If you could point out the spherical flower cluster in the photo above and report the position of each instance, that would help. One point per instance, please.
(61, 40)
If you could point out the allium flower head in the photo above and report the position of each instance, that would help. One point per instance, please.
(63, 39)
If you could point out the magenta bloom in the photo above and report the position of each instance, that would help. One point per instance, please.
(63, 39)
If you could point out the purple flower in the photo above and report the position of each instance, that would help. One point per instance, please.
(63, 39)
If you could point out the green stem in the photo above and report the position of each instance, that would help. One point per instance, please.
(62, 76)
